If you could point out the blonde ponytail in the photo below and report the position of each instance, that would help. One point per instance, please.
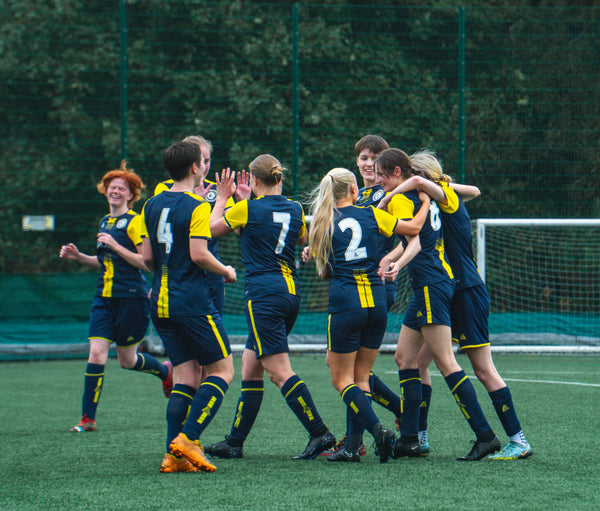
(333, 187)
(427, 162)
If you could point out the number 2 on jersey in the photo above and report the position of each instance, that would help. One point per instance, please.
(354, 250)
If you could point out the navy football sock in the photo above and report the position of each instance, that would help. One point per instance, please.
(205, 405)
(246, 411)
(360, 407)
(298, 398)
(177, 409)
(424, 407)
(466, 398)
(502, 401)
(410, 397)
(383, 395)
(146, 363)
(92, 388)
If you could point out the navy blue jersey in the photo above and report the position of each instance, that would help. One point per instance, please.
(430, 265)
(270, 227)
(211, 197)
(370, 196)
(118, 278)
(458, 240)
(355, 254)
(180, 287)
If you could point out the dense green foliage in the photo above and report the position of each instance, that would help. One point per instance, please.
(226, 70)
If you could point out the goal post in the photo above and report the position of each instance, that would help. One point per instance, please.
(543, 277)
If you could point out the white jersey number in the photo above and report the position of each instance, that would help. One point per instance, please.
(434, 216)
(283, 219)
(163, 231)
(354, 251)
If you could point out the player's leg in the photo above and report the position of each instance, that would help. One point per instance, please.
(131, 324)
(246, 410)
(410, 343)
(92, 386)
(499, 392)
(206, 337)
(424, 360)
(438, 339)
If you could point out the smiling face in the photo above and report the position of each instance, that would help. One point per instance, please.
(118, 193)
(366, 166)
(388, 181)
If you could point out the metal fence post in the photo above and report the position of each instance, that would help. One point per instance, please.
(123, 75)
(461, 94)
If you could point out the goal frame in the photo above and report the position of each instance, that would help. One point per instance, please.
(480, 227)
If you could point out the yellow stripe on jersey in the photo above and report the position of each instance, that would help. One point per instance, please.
(439, 246)
(218, 336)
(365, 293)
(237, 215)
(385, 222)
(329, 332)
(162, 305)
(258, 346)
(200, 221)
(452, 198)
(163, 186)
(134, 228)
(288, 277)
(427, 304)
(401, 207)
(109, 276)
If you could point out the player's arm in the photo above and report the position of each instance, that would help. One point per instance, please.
(466, 192)
(201, 256)
(135, 259)
(225, 189)
(415, 183)
(147, 254)
(70, 251)
(398, 258)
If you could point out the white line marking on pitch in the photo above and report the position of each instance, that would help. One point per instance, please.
(527, 381)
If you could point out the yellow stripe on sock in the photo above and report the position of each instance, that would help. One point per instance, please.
(290, 391)
(215, 386)
(458, 384)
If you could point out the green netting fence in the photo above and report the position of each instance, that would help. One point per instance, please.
(508, 96)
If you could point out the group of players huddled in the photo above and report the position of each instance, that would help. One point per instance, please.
(352, 241)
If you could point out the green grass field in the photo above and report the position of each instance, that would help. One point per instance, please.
(46, 467)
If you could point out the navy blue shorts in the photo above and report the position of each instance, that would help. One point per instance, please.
(430, 305)
(120, 320)
(469, 311)
(201, 338)
(349, 330)
(270, 320)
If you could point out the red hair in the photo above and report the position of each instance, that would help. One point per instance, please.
(134, 182)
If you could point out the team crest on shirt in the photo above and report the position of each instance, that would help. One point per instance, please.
(122, 223)
(378, 195)
(211, 196)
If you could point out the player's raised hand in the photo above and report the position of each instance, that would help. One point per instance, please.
(225, 183)
(243, 190)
